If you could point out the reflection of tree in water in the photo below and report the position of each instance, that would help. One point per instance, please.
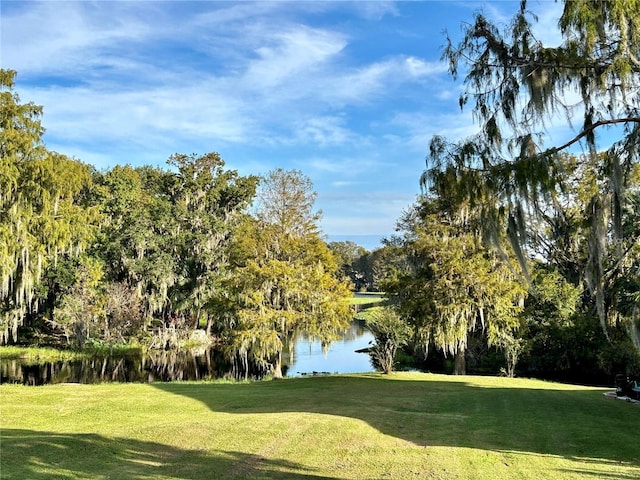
(356, 330)
(153, 366)
(165, 365)
(308, 355)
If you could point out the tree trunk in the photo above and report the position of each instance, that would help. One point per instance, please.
(460, 367)
(209, 325)
(277, 365)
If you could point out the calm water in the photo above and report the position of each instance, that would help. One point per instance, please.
(308, 356)
(166, 366)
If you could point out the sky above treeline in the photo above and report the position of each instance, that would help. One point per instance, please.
(349, 93)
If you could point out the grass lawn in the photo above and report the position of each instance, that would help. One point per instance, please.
(406, 425)
(366, 298)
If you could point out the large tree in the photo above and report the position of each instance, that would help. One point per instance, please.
(167, 231)
(42, 212)
(348, 253)
(286, 199)
(285, 279)
(455, 285)
(516, 86)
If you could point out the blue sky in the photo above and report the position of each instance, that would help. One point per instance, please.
(350, 93)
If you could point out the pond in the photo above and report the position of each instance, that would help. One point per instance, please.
(307, 358)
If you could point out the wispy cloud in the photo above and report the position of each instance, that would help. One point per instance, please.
(283, 74)
(344, 91)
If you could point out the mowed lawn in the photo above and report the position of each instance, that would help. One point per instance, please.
(406, 425)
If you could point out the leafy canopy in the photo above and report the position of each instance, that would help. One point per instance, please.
(516, 85)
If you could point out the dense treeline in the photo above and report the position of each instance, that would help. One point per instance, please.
(159, 257)
(472, 308)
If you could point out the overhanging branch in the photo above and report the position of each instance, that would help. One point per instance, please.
(591, 128)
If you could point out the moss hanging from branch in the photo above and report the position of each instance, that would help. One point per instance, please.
(517, 86)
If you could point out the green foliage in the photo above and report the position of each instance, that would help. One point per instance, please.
(167, 232)
(390, 331)
(42, 214)
(507, 171)
(158, 255)
(284, 280)
(284, 285)
(371, 271)
(348, 253)
(456, 285)
(81, 310)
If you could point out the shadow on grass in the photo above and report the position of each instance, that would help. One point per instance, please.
(35, 455)
(575, 424)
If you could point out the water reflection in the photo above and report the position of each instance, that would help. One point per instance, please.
(172, 365)
(308, 355)
(153, 366)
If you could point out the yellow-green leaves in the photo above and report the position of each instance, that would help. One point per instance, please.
(41, 213)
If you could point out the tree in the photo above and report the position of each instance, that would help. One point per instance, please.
(80, 313)
(455, 285)
(285, 278)
(517, 84)
(138, 241)
(167, 232)
(348, 254)
(390, 332)
(208, 201)
(42, 213)
(372, 270)
(286, 199)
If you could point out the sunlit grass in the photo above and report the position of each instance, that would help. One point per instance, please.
(369, 297)
(38, 354)
(406, 425)
(46, 354)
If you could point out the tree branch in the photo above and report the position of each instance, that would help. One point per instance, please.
(591, 128)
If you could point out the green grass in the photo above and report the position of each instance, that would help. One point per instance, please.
(46, 354)
(407, 425)
(38, 354)
(367, 298)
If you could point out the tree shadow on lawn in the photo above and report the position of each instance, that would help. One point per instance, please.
(576, 423)
(34, 455)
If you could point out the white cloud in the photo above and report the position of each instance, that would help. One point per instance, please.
(59, 37)
(358, 168)
(282, 84)
(420, 68)
(420, 127)
(323, 130)
(378, 79)
(375, 10)
(82, 114)
(266, 84)
(546, 29)
(288, 54)
(342, 184)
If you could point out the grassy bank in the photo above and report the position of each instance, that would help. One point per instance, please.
(49, 354)
(408, 425)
